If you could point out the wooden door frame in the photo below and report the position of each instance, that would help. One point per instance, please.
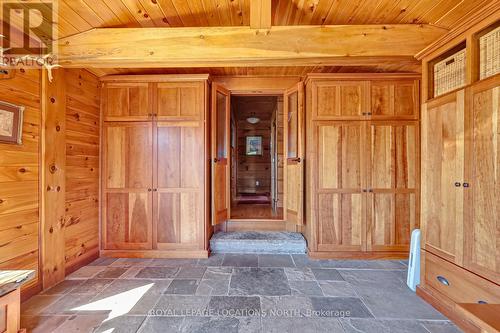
(258, 86)
(254, 92)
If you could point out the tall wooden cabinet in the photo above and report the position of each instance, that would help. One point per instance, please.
(461, 198)
(362, 164)
(155, 165)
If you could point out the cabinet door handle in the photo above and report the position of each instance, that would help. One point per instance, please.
(466, 184)
(149, 190)
(443, 280)
(482, 302)
(457, 184)
(155, 190)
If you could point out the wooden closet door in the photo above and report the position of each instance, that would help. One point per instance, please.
(442, 176)
(339, 181)
(123, 101)
(339, 100)
(127, 185)
(294, 142)
(179, 185)
(393, 198)
(482, 230)
(395, 99)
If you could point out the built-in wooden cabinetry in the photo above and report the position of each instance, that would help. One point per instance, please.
(460, 196)
(461, 181)
(155, 173)
(362, 165)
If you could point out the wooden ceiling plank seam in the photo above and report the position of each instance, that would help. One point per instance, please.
(72, 17)
(308, 11)
(320, 12)
(417, 14)
(102, 10)
(364, 12)
(389, 15)
(138, 11)
(441, 9)
(225, 19)
(285, 7)
(155, 13)
(123, 13)
(234, 9)
(86, 13)
(451, 18)
(296, 12)
(197, 9)
(412, 7)
(170, 12)
(214, 15)
(333, 13)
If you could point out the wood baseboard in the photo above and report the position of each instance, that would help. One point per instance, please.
(154, 254)
(357, 255)
(83, 260)
(447, 307)
(28, 292)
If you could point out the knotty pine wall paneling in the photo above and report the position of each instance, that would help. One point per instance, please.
(19, 179)
(49, 184)
(82, 168)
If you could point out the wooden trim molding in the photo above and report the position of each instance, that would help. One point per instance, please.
(155, 78)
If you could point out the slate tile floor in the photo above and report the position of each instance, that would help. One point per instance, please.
(234, 293)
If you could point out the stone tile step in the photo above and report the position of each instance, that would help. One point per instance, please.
(258, 242)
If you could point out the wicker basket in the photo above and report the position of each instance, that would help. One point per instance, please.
(449, 74)
(489, 54)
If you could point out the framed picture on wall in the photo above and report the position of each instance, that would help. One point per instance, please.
(11, 123)
(254, 145)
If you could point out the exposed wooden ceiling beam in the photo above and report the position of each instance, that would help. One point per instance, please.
(347, 45)
(260, 14)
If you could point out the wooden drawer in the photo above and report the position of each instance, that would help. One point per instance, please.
(458, 284)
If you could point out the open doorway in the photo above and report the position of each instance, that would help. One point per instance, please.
(257, 155)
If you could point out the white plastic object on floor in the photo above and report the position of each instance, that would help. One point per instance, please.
(413, 278)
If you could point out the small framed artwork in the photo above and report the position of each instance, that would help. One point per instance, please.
(254, 145)
(11, 123)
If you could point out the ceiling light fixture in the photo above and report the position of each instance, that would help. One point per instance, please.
(253, 120)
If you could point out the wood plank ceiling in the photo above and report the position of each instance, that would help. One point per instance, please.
(76, 16)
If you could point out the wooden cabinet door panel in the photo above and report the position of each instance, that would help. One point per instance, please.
(394, 99)
(392, 184)
(181, 100)
(340, 201)
(342, 100)
(391, 219)
(128, 220)
(442, 167)
(126, 102)
(178, 221)
(482, 232)
(341, 219)
(127, 185)
(128, 155)
(180, 184)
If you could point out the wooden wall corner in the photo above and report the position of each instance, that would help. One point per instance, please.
(53, 183)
